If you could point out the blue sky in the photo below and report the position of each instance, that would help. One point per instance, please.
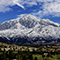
(11, 9)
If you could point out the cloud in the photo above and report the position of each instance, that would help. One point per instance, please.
(4, 5)
(22, 2)
(17, 2)
(49, 7)
(52, 7)
(45, 0)
(21, 15)
(4, 8)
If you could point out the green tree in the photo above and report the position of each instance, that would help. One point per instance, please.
(35, 58)
(24, 58)
(18, 57)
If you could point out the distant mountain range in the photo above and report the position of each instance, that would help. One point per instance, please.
(29, 29)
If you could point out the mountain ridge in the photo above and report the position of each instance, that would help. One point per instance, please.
(30, 29)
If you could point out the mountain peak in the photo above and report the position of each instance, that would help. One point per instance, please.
(29, 16)
(28, 21)
(29, 27)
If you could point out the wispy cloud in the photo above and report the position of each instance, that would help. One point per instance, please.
(17, 2)
(4, 4)
(49, 7)
(20, 15)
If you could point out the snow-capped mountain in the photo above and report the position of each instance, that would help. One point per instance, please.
(29, 29)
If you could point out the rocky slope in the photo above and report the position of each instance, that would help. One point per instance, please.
(29, 29)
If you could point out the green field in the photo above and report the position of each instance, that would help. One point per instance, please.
(39, 57)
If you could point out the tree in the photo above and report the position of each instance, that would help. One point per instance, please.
(35, 58)
(18, 57)
(24, 58)
(0, 50)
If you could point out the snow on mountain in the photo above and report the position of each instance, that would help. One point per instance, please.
(31, 27)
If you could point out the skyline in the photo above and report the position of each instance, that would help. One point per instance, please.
(43, 9)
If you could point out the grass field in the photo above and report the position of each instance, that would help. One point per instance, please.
(39, 57)
(56, 57)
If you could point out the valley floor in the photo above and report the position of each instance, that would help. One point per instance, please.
(29, 52)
